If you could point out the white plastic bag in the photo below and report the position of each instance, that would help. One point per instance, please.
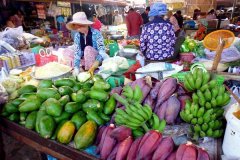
(12, 32)
(228, 55)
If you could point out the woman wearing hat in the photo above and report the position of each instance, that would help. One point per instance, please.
(89, 46)
(158, 38)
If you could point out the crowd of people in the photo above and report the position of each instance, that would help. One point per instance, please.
(157, 28)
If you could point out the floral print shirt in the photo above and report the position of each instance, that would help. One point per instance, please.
(157, 40)
(98, 44)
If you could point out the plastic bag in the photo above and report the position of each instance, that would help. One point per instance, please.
(12, 32)
(228, 55)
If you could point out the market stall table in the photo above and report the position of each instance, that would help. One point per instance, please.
(31, 138)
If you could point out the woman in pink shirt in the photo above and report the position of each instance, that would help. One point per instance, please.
(96, 23)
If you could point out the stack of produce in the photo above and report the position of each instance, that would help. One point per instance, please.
(205, 112)
(135, 116)
(58, 109)
(118, 144)
(166, 97)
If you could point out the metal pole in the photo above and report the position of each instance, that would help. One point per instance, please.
(234, 5)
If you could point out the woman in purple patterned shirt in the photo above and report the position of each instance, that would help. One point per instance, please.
(158, 38)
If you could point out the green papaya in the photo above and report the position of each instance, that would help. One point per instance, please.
(10, 108)
(101, 85)
(77, 87)
(31, 120)
(105, 117)
(100, 95)
(66, 132)
(53, 107)
(46, 93)
(109, 106)
(65, 90)
(92, 115)
(46, 126)
(63, 116)
(64, 100)
(30, 105)
(92, 104)
(72, 107)
(45, 84)
(40, 114)
(18, 101)
(85, 135)
(79, 119)
(27, 89)
(64, 82)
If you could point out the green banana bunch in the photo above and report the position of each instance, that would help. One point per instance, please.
(128, 92)
(134, 116)
(196, 80)
(205, 121)
(157, 124)
(137, 94)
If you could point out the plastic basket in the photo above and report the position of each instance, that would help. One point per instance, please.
(212, 40)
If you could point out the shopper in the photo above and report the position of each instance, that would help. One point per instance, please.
(174, 22)
(96, 23)
(118, 19)
(145, 15)
(10, 22)
(134, 22)
(158, 38)
(211, 15)
(179, 17)
(196, 13)
(88, 43)
(19, 19)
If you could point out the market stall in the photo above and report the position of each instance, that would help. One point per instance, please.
(128, 108)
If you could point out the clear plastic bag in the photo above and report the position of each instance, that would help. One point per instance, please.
(228, 55)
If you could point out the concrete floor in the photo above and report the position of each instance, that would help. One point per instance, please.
(15, 150)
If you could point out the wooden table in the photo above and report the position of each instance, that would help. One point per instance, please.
(42, 145)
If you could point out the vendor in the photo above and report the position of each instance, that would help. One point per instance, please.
(89, 46)
(158, 38)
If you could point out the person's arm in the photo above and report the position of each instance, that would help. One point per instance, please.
(78, 52)
(143, 43)
(101, 50)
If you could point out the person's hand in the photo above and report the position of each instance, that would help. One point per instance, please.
(75, 72)
(93, 68)
(91, 71)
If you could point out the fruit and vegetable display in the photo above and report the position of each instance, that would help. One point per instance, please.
(205, 111)
(123, 123)
(63, 110)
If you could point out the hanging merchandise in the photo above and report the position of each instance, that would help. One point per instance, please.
(41, 11)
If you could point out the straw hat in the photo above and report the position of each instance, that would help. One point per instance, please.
(78, 18)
